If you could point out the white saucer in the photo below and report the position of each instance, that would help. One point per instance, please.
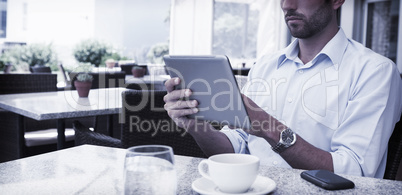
(262, 185)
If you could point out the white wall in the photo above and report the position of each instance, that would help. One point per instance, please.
(144, 24)
(272, 31)
(15, 21)
(191, 27)
(347, 16)
(109, 22)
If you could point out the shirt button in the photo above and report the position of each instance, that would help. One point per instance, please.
(290, 100)
(275, 162)
(301, 71)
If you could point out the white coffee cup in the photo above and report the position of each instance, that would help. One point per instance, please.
(232, 173)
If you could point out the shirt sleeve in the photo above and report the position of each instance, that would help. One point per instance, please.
(238, 138)
(359, 145)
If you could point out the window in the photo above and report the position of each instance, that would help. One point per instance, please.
(3, 18)
(381, 34)
(235, 27)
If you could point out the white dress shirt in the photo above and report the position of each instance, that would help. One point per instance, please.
(345, 101)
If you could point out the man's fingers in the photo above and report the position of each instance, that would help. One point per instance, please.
(177, 94)
(180, 105)
(174, 114)
(171, 83)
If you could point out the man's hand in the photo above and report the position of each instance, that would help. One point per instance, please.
(178, 107)
(177, 104)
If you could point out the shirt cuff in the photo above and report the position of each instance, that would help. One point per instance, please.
(238, 138)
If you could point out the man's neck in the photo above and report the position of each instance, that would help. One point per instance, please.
(310, 47)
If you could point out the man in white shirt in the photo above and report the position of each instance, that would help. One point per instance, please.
(324, 102)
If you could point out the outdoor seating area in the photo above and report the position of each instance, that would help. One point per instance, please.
(27, 97)
(199, 97)
(42, 135)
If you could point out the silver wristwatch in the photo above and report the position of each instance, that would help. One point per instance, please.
(286, 139)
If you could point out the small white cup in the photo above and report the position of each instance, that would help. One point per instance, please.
(232, 173)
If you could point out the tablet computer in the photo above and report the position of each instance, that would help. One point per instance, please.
(214, 86)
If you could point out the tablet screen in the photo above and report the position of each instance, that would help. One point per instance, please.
(214, 86)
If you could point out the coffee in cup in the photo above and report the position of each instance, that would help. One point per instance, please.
(232, 173)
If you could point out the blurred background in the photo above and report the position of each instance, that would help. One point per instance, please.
(52, 32)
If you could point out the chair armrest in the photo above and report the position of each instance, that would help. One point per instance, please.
(85, 136)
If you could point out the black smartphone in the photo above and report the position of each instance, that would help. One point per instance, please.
(327, 180)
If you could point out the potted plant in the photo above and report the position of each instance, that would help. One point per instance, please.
(23, 57)
(83, 84)
(110, 63)
(138, 71)
(91, 51)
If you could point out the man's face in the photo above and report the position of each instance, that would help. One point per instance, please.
(306, 18)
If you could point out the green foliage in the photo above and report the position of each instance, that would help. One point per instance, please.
(83, 67)
(136, 67)
(4, 60)
(24, 56)
(91, 51)
(84, 77)
(157, 51)
(115, 56)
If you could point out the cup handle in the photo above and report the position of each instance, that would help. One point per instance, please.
(201, 170)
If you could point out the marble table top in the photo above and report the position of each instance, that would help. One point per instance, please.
(64, 104)
(99, 170)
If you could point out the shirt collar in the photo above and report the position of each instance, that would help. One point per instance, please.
(334, 49)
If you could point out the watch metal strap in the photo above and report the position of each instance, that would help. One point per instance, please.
(279, 148)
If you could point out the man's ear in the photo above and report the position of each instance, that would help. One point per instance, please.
(336, 4)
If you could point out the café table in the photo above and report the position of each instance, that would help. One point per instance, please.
(61, 105)
(106, 69)
(91, 169)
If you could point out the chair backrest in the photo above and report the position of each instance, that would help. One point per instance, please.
(127, 68)
(241, 71)
(40, 69)
(146, 122)
(102, 79)
(27, 83)
(394, 153)
(64, 73)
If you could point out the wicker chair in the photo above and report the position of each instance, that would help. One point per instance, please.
(37, 133)
(27, 83)
(21, 83)
(66, 84)
(394, 154)
(145, 122)
(127, 68)
(40, 69)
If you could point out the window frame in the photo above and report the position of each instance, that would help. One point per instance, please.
(360, 29)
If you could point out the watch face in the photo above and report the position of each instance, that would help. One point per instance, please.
(287, 136)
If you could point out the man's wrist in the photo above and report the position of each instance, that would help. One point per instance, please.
(274, 131)
(287, 138)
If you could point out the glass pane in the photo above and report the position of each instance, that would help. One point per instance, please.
(235, 30)
(3, 18)
(3, 26)
(382, 27)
